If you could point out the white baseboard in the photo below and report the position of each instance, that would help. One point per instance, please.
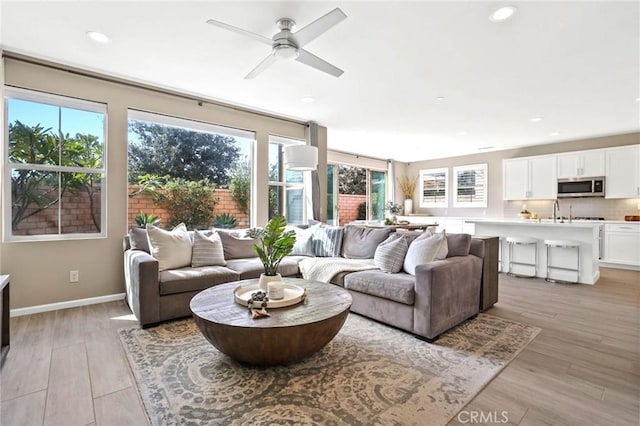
(64, 305)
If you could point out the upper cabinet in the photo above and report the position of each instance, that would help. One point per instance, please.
(622, 179)
(579, 164)
(530, 178)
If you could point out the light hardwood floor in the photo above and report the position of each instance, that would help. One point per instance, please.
(67, 367)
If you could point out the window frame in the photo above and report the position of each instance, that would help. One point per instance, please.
(61, 102)
(434, 171)
(282, 183)
(482, 202)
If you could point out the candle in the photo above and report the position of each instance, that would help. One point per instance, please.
(276, 290)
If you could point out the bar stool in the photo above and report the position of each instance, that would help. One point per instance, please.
(562, 244)
(522, 241)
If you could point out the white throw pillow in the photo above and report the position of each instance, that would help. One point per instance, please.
(424, 249)
(172, 249)
(304, 241)
(390, 254)
(207, 249)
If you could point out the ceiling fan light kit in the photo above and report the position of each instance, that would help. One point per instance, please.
(287, 45)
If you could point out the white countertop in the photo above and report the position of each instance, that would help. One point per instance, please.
(534, 222)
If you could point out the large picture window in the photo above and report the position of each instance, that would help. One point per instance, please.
(55, 167)
(470, 186)
(434, 187)
(186, 171)
(286, 187)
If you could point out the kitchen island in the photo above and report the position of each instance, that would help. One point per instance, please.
(586, 233)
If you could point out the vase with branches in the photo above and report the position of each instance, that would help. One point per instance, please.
(408, 186)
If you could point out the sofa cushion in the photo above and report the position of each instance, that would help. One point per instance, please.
(304, 241)
(253, 267)
(389, 255)
(172, 249)
(327, 241)
(424, 249)
(138, 239)
(398, 287)
(194, 279)
(360, 242)
(237, 246)
(458, 244)
(207, 249)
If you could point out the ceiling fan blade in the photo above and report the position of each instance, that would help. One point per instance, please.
(254, 36)
(319, 26)
(312, 60)
(266, 63)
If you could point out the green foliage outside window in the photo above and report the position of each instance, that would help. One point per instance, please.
(188, 202)
(33, 191)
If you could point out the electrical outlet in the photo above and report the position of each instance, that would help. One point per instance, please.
(74, 276)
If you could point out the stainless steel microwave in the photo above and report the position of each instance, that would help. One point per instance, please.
(581, 187)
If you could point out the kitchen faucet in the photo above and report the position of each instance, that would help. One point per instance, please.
(556, 206)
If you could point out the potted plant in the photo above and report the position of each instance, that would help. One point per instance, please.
(144, 219)
(274, 244)
(394, 209)
(408, 186)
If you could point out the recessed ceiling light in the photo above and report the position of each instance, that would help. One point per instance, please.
(307, 100)
(462, 133)
(502, 14)
(97, 36)
(484, 148)
(535, 119)
(440, 98)
(554, 134)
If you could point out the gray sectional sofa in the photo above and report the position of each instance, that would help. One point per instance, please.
(440, 295)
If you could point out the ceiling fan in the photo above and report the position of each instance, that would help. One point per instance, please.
(287, 45)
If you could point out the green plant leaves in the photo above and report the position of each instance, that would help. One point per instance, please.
(275, 243)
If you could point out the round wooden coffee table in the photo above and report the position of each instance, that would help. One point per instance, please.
(290, 334)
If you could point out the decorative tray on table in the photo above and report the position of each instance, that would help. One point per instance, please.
(292, 295)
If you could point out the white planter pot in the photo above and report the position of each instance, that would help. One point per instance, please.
(408, 206)
(266, 279)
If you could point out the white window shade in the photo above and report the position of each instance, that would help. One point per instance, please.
(301, 157)
(434, 186)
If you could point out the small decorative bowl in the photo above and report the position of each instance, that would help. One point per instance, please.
(524, 215)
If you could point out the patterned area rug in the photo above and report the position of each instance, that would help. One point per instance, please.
(370, 374)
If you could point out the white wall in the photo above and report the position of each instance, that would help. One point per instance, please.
(40, 270)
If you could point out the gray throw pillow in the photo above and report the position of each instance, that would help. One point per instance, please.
(425, 249)
(207, 250)
(361, 242)
(327, 241)
(237, 247)
(458, 244)
(390, 254)
(138, 239)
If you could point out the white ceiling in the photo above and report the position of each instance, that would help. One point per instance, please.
(576, 64)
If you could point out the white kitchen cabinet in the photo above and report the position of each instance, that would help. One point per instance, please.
(622, 172)
(530, 178)
(622, 243)
(581, 163)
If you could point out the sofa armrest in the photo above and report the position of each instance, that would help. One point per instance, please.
(143, 287)
(447, 292)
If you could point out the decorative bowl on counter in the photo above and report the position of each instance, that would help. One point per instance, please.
(524, 215)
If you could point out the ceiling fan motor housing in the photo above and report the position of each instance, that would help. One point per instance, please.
(284, 47)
